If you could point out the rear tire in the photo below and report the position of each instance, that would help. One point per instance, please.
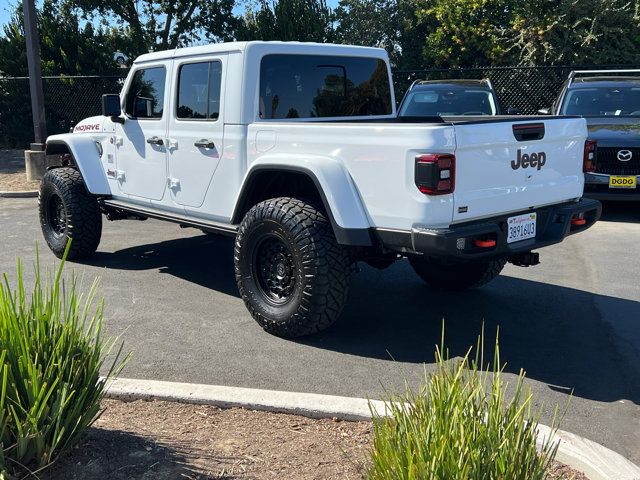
(459, 276)
(291, 273)
(68, 211)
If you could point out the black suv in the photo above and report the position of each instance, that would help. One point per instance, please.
(444, 98)
(609, 100)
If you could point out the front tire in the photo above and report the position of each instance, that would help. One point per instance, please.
(69, 212)
(459, 276)
(291, 273)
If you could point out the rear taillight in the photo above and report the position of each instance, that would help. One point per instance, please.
(589, 161)
(435, 173)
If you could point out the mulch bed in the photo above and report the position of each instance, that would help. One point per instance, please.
(13, 177)
(162, 440)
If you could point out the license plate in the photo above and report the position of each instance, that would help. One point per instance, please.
(622, 182)
(521, 227)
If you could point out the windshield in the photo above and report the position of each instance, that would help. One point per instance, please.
(448, 101)
(602, 101)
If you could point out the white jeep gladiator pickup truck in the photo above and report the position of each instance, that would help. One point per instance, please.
(296, 151)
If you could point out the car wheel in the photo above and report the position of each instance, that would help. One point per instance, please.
(291, 273)
(459, 276)
(69, 212)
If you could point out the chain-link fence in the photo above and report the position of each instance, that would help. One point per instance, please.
(70, 99)
(526, 89)
(67, 101)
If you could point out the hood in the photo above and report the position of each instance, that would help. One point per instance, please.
(90, 125)
(615, 132)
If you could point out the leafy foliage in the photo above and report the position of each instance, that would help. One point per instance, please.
(462, 32)
(51, 353)
(80, 36)
(476, 33)
(461, 425)
(574, 32)
(162, 24)
(288, 20)
(65, 46)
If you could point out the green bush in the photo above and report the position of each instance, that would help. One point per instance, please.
(51, 352)
(460, 425)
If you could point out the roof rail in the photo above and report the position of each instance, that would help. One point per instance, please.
(576, 73)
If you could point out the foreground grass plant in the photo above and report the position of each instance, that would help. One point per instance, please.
(461, 425)
(51, 353)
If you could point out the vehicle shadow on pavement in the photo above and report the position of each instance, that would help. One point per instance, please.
(628, 212)
(554, 333)
(206, 260)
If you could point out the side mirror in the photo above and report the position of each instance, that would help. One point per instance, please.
(513, 111)
(544, 111)
(111, 105)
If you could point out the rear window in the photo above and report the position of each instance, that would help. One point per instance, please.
(316, 86)
(602, 101)
(448, 101)
(199, 91)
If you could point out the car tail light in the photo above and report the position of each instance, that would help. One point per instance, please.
(435, 173)
(589, 161)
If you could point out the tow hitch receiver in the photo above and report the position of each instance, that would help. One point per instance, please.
(524, 259)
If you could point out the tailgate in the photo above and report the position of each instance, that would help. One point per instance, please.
(509, 166)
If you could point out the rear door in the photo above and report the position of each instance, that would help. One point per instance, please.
(506, 166)
(196, 127)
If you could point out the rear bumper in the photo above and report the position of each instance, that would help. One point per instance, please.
(597, 187)
(553, 225)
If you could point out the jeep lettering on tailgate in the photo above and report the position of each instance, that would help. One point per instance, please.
(525, 160)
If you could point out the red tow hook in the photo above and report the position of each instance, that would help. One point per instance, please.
(484, 243)
(578, 220)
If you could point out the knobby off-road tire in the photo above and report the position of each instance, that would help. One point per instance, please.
(461, 276)
(68, 211)
(292, 274)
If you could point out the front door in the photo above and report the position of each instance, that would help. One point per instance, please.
(142, 155)
(196, 128)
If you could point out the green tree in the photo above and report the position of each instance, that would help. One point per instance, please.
(575, 32)
(66, 47)
(391, 24)
(369, 22)
(288, 20)
(463, 33)
(163, 24)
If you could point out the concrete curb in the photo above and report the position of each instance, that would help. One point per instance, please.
(20, 194)
(594, 460)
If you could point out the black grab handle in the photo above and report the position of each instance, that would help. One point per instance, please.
(528, 131)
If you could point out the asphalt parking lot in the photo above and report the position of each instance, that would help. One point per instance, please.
(573, 322)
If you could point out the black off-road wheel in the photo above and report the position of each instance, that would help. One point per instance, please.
(68, 211)
(458, 276)
(292, 274)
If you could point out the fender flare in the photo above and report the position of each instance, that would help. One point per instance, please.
(86, 158)
(337, 190)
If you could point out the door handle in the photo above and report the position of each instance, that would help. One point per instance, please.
(155, 141)
(204, 144)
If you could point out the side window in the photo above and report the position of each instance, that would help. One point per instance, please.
(199, 91)
(145, 97)
(314, 86)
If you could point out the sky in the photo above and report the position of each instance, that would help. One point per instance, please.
(8, 6)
